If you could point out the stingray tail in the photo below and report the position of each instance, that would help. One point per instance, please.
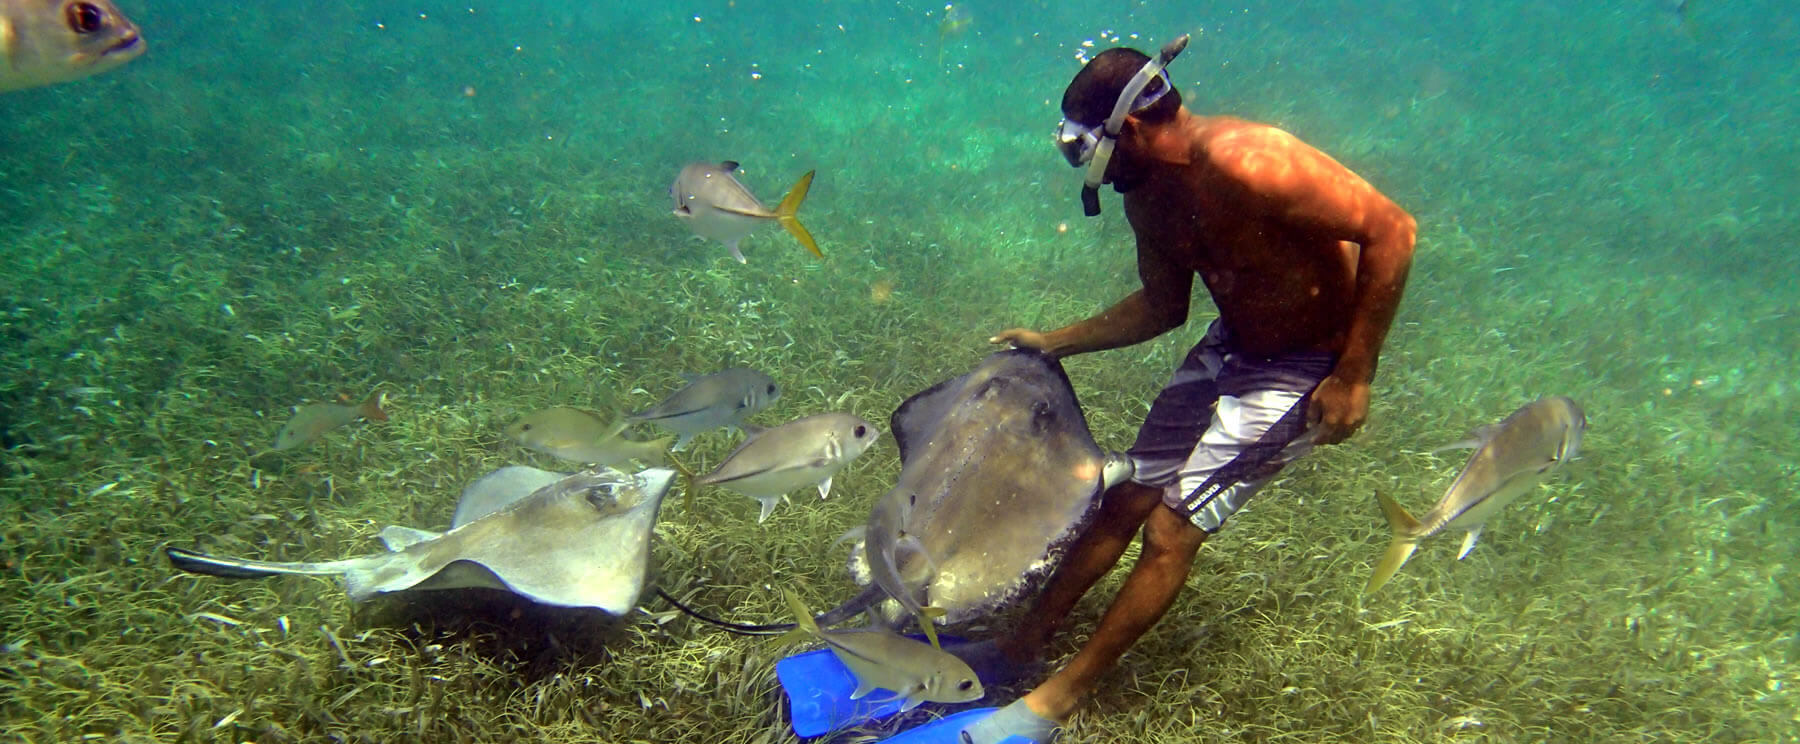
(1404, 526)
(787, 213)
(243, 568)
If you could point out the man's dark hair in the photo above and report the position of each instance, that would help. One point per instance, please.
(1090, 97)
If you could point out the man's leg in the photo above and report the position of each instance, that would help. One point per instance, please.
(1122, 510)
(1170, 543)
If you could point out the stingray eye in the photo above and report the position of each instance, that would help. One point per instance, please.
(84, 18)
(861, 431)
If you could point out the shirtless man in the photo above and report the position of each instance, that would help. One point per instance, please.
(1306, 263)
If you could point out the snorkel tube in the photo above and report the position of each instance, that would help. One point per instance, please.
(1109, 135)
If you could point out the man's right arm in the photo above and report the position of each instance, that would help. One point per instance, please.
(1159, 307)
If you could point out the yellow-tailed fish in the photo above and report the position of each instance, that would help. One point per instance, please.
(313, 419)
(584, 437)
(717, 206)
(881, 659)
(1510, 459)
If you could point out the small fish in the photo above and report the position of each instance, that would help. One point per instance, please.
(708, 402)
(43, 42)
(799, 453)
(584, 437)
(314, 419)
(884, 660)
(1510, 459)
(717, 206)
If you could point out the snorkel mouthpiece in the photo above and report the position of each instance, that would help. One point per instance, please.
(1127, 103)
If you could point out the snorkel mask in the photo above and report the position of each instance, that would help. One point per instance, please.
(1093, 145)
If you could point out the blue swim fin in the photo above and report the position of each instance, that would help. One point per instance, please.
(818, 688)
(948, 730)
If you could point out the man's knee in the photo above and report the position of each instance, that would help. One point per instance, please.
(1169, 536)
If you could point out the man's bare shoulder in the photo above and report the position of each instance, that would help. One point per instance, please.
(1250, 151)
(1267, 160)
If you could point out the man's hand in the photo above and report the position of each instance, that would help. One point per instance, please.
(1337, 408)
(1021, 338)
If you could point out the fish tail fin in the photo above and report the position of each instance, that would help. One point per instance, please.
(1402, 546)
(688, 479)
(787, 213)
(656, 451)
(371, 407)
(804, 624)
(928, 622)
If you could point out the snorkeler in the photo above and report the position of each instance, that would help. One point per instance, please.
(1306, 263)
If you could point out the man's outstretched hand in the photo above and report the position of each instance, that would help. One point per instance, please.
(1021, 338)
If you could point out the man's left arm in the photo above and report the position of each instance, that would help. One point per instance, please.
(1334, 203)
(1341, 402)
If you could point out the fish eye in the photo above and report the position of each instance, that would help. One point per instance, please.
(861, 431)
(524, 427)
(84, 18)
(966, 685)
(771, 389)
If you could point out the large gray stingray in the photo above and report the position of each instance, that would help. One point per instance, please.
(578, 541)
(998, 475)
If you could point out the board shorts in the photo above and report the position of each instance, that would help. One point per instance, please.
(1224, 426)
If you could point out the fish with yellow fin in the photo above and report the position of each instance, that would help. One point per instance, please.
(584, 437)
(1511, 458)
(717, 206)
(312, 420)
(881, 659)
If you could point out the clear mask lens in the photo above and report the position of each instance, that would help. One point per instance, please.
(1076, 142)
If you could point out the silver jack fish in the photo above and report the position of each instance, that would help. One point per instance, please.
(803, 452)
(883, 660)
(43, 42)
(708, 402)
(1511, 458)
(716, 206)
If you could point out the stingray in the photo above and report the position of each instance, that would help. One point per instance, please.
(998, 474)
(581, 540)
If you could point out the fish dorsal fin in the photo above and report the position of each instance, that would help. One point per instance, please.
(613, 429)
(398, 538)
(1480, 436)
(729, 166)
(916, 418)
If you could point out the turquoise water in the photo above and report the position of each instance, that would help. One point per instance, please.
(465, 205)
